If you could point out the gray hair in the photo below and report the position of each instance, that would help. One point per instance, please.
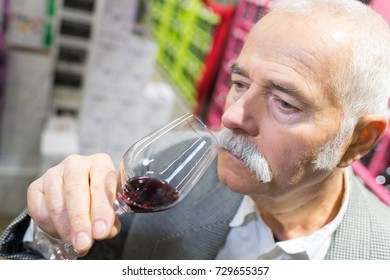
(363, 84)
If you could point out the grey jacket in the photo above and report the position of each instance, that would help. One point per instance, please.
(198, 226)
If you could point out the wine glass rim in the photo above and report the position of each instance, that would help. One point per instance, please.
(181, 119)
(184, 117)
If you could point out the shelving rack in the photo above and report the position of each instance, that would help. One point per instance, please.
(71, 48)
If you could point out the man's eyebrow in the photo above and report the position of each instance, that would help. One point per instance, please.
(290, 90)
(236, 69)
(285, 88)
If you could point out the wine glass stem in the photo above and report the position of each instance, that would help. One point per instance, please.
(120, 207)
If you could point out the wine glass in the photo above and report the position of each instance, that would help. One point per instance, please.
(158, 171)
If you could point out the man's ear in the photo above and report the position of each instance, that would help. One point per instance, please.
(368, 131)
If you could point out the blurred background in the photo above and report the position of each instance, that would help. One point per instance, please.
(86, 76)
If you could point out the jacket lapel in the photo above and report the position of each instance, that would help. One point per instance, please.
(352, 239)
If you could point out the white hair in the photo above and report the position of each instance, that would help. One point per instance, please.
(363, 83)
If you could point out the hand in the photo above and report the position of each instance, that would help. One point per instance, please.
(74, 200)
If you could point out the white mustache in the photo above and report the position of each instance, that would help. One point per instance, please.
(241, 147)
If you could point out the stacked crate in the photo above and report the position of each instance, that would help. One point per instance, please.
(247, 14)
(184, 31)
(31, 24)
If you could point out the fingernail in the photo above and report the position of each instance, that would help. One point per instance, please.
(99, 229)
(82, 241)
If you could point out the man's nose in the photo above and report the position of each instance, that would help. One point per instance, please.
(240, 116)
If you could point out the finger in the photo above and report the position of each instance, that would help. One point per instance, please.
(103, 189)
(77, 200)
(37, 207)
(115, 229)
(55, 204)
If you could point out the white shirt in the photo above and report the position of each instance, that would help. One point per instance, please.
(250, 238)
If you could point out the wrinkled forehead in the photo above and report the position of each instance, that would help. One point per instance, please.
(313, 47)
(318, 44)
(307, 32)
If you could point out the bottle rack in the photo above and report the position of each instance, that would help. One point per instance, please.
(71, 48)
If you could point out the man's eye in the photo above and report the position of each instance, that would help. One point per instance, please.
(286, 105)
(238, 85)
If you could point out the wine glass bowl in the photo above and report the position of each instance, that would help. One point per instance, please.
(158, 171)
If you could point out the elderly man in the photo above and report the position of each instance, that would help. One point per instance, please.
(308, 97)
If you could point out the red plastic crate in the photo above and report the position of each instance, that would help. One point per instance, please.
(250, 11)
(236, 42)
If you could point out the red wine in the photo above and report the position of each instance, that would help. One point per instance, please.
(144, 194)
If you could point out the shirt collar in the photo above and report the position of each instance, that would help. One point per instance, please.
(246, 211)
(310, 245)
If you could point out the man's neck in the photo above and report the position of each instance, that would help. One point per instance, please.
(309, 212)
